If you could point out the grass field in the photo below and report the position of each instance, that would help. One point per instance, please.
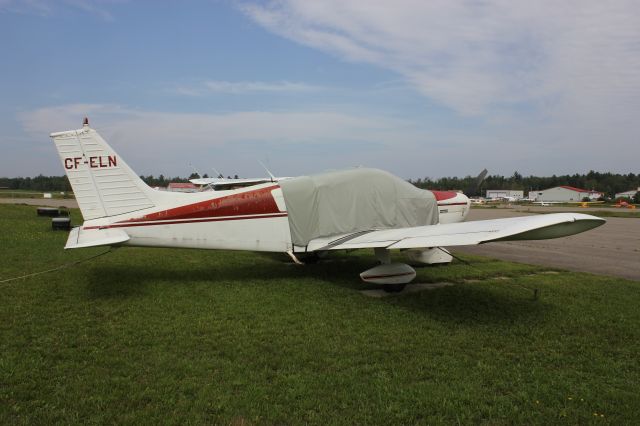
(181, 337)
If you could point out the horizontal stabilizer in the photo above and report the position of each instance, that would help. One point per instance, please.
(81, 238)
(539, 227)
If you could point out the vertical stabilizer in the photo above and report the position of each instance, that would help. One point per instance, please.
(102, 182)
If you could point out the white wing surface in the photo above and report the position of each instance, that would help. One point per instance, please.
(538, 227)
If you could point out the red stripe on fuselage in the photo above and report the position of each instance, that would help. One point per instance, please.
(451, 204)
(257, 202)
(181, 222)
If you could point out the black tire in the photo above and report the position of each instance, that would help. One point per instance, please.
(393, 288)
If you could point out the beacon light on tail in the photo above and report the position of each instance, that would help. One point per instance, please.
(348, 209)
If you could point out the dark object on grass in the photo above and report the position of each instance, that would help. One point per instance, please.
(393, 288)
(61, 223)
(48, 211)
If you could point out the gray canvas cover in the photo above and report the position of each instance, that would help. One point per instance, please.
(347, 201)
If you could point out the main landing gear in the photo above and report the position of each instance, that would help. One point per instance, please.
(395, 276)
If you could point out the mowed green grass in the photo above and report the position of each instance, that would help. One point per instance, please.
(159, 336)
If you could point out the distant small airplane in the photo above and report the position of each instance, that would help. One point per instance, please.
(583, 204)
(306, 215)
(220, 183)
(625, 204)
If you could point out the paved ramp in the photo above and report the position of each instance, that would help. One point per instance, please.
(611, 249)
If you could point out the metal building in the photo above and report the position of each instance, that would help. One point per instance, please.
(564, 194)
(505, 193)
(628, 194)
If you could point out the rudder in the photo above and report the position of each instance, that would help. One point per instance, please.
(103, 184)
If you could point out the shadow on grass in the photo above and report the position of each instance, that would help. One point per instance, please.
(475, 304)
(470, 304)
(115, 282)
(132, 279)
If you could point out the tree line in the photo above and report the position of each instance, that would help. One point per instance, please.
(609, 183)
(61, 183)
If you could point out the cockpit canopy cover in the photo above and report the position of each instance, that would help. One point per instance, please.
(354, 200)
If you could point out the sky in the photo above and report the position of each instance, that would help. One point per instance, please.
(419, 88)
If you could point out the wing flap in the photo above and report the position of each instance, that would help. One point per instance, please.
(538, 227)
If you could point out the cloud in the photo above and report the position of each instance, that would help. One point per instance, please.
(36, 7)
(308, 141)
(212, 129)
(258, 86)
(246, 87)
(162, 141)
(48, 8)
(578, 57)
(97, 8)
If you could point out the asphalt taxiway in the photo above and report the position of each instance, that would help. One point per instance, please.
(611, 249)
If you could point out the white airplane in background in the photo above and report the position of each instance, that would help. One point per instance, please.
(221, 183)
(477, 200)
(580, 203)
(349, 209)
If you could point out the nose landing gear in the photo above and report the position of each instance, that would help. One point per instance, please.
(392, 276)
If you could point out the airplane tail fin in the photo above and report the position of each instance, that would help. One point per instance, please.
(102, 182)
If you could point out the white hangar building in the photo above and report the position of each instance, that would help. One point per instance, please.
(564, 194)
(628, 194)
(505, 193)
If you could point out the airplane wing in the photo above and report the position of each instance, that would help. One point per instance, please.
(537, 227)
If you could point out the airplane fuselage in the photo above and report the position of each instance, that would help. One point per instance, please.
(253, 218)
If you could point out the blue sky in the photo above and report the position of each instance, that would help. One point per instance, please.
(417, 88)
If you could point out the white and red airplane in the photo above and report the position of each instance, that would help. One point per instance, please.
(350, 209)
